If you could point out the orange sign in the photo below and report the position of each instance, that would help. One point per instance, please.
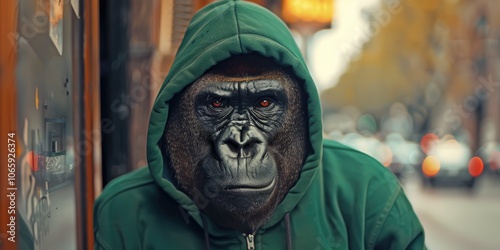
(320, 11)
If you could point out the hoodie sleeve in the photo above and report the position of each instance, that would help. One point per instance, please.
(401, 228)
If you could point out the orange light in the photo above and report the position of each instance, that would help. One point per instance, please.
(308, 10)
(33, 160)
(431, 166)
(428, 140)
(476, 166)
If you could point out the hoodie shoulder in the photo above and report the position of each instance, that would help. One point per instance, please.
(134, 213)
(124, 185)
(357, 174)
(340, 157)
(115, 208)
(366, 188)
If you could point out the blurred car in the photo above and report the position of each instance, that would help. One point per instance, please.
(451, 162)
(368, 145)
(490, 153)
(406, 155)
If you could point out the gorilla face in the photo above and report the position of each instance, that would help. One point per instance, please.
(236, 139)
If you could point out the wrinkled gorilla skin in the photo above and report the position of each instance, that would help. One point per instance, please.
(236, 140)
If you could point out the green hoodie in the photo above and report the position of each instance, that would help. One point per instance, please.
(342, 200)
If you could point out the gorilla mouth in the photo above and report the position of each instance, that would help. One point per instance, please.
(250, 188)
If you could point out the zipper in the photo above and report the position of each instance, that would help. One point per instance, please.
(250, 241)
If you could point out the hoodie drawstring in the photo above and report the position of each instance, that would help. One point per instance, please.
(205, 229)
(288, 232)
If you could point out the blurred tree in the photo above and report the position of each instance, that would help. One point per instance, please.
(399, 60)
(438, 57)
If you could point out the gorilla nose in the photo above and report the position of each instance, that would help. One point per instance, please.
(241, 148)
(239, 143)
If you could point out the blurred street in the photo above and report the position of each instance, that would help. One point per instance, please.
(458, 218)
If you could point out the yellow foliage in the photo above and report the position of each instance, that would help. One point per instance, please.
(399, 61)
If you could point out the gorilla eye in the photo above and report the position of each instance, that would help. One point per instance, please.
(217, 103)
(264, 103)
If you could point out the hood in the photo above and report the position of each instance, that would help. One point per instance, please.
(217, 32)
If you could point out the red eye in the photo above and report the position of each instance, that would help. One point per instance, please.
(217, 103)
(264, 103)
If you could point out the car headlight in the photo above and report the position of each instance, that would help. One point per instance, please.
(431, 166)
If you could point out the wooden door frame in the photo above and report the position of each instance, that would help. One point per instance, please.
(88, 127)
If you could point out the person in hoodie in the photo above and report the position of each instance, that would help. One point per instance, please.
(342, 199)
